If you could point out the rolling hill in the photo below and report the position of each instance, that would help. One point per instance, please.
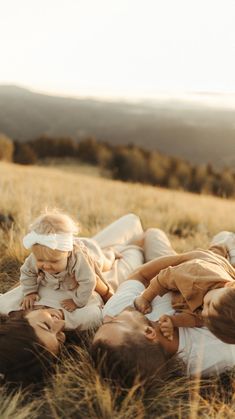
(197, 131)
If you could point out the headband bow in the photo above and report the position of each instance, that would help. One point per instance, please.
(60, 241)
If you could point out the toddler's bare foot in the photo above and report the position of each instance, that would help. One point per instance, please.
(69, 305)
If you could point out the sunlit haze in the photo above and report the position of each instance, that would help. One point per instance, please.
(118, 48)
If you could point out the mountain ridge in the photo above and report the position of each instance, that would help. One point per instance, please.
(198, 132)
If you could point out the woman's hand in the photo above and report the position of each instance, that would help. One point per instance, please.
(29, 300)
(166, 326)
(69, 305)
(142, 305)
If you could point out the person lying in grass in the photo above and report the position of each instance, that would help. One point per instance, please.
(130, 344)
(31, 339)
(51, 289)
(30, 342)
(202, 283)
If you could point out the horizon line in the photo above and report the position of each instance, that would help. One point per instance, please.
(167, 95)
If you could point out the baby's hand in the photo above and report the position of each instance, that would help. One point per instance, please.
(166, 326)
(69, 305)
(29, 300)
(142, 305)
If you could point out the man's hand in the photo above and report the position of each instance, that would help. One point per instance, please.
(69, 305)
(29, 300)
(166, 326)
(142, 305)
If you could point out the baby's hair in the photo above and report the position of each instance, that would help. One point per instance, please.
(54, 221)
(222, 324)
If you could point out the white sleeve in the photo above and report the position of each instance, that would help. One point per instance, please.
(125, 296)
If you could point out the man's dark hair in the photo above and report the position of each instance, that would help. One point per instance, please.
(134, 360)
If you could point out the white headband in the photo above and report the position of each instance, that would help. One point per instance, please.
(61, 241)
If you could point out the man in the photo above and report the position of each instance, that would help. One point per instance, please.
(129, 343)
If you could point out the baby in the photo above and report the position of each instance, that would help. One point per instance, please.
(203, 290)
(61, 261)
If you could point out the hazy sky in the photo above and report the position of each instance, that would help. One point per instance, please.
(129, 48)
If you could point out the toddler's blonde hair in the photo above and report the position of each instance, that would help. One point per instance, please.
(54, 221)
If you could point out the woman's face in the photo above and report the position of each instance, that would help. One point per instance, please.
(48, 325)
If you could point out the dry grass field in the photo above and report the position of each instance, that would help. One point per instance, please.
(190, 220)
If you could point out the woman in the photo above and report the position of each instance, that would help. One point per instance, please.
(39, 332)
(29, 344)
(117, 235)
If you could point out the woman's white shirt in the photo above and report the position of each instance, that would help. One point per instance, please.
(201, 351)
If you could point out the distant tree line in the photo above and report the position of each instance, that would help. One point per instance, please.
(127, 163)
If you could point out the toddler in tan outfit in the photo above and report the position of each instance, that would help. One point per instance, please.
(202, 283)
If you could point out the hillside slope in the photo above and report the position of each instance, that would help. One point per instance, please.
(192, 130)
(76, 390)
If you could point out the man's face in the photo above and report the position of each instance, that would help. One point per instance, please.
(116, 329)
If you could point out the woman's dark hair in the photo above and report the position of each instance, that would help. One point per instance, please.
(134, 360)
(23, 359)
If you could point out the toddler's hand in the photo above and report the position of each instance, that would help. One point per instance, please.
(69, 305)
(29, 300)
(166, 326)
(108, 295)
(142, 305)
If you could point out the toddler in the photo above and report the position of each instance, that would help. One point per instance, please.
(203, 290)
(61, 261)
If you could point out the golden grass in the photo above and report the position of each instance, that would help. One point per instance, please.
(190, 220)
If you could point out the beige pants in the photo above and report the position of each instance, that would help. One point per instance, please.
(120, 235)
